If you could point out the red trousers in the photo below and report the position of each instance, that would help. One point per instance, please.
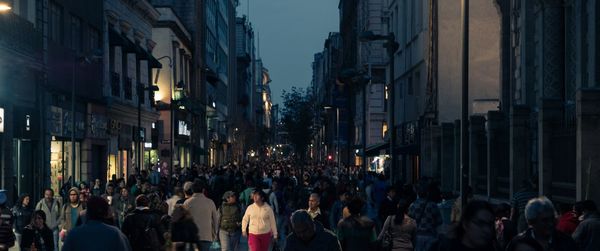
(259, 242)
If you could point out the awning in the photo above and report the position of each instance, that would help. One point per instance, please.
(374, 150)
(413, 149)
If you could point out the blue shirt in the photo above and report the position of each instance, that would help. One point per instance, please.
(74, 216)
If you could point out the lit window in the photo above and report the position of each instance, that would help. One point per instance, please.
(384, 129)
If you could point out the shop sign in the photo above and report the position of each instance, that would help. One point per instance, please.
(183, 129)
(1, 119)
(98, 126)
(56, 122)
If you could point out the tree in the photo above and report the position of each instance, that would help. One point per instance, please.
(297, 119)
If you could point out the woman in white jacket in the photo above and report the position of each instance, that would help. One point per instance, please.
(259, 223)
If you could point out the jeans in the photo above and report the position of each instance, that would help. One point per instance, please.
(281, 230)
(229, 240)
(55, 236)
(424, 242)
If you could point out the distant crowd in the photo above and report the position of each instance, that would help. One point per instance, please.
(283, 205)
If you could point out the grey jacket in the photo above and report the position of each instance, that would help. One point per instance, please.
(52, 214)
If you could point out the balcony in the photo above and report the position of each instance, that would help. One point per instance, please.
(20, 35)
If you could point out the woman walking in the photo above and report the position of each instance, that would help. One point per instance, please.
(37, 235)
(229, 221)
(399, 229)
(259, 223)
(22, 214)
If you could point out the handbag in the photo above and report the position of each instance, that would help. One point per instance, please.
(386, 241)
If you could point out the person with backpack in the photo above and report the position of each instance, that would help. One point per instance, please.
(143, 227)
(230, 220)
(95, 235)
(70, 212)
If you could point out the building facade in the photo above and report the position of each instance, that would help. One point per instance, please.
(127, 78)
(174, 127)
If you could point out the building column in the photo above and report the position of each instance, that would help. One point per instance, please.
(447, 156)
(519, 155)
(478, 152)
(588, 144)
(457, 172)
(430, 152)
(497, 157)
(550, 115)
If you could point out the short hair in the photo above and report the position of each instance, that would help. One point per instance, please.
(49, 189)
(316, 195)
(198, 186)
(355, 206)
(537, 206)
(261, 193)
(300, 216)
(142, 201)
(187, 186)
(97, 208)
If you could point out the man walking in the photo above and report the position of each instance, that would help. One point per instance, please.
(204, 213)
(314, 200)
(51, 208)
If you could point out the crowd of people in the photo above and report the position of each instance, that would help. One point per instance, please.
(286, 206)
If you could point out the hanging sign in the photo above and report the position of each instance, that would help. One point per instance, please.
(1, 119)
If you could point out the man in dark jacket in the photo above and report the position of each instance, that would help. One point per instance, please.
(310, 235)
(587, 234)
(314, 200)
(143, 227)
(541, 217)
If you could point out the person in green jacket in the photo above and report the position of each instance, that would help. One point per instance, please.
(230, 220)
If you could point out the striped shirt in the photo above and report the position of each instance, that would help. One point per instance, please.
(521, 198)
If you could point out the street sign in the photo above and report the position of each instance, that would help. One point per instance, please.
(1, 119)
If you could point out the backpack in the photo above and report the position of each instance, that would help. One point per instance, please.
(146, 238)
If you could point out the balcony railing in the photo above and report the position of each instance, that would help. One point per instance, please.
(19, 34)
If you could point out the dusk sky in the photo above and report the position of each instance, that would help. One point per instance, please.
(291, 32)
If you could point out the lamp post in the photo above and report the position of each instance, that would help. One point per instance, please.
(464, 123)
(141, 89)
(392, 46)
(337, 132)
(170, 112)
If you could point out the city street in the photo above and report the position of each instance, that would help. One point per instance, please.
(327, 125)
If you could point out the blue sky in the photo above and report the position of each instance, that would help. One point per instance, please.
(291, 32)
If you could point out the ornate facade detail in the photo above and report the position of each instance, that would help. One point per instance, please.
(553, 51)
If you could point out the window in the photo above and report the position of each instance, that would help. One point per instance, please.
(76, 33)
(55, 23)
(222, 30)
(93, 39)
(211, 45)
(410, 86)
(384, 128)
(223, 62)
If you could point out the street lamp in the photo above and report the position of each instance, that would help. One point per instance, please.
(171, 142)
(4, 7)
(140, 91)
(392, 46)
(337, 132)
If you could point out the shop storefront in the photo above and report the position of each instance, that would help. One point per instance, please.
(182, 144)
(121, 150)
(65, 155)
